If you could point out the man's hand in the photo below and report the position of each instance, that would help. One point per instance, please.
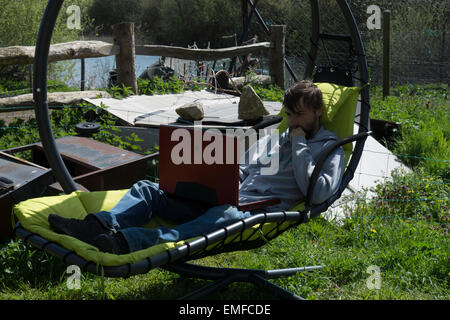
(296, 130)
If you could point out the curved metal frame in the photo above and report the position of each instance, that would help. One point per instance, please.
(40, 96)
(40, 85)
(165, 259)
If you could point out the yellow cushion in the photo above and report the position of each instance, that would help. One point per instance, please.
(33, 215)
(335, 97)
(339, 112)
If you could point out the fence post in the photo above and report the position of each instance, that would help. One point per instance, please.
(126, 59)
(386, 52)
(83, 74)
(276, 54)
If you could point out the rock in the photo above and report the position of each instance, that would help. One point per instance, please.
(191, 111)
(251, 105)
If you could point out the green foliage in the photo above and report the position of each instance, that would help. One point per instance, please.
(106, 14)
(415, 195)
(120, 91)
(14, 87)
(21, 265)
(19, 26)
(20, 21)
(269, 93)
(158, 86)
(181, 22)
(424, 115)
(154, 86)
(59, 86)
(63, 120)
(9, 87)
(425, 144)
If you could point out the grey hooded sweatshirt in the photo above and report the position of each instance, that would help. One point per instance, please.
(274, 167)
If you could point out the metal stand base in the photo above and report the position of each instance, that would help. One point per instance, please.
(226, 276)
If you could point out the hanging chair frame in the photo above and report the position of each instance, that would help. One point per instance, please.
(174, 260)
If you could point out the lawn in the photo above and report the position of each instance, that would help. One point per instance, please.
(393, 246)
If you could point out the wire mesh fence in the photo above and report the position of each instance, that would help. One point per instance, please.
(419, 36)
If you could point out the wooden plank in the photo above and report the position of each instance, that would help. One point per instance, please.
(200, 54)
(94, 49)
(62, 51)
(54, 98)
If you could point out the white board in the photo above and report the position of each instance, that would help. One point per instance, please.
(152, 111)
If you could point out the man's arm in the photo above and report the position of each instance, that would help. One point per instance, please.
(250, 157)
(303, 165)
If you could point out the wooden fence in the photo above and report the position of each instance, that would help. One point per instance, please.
(125, 50)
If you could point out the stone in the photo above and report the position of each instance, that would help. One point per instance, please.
(192, 111)
(251, 105)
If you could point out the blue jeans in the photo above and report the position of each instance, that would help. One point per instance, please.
(144, 199)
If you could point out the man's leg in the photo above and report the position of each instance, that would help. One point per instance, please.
(211, 220)
(143, 200)
(134, 209)
(136, 206)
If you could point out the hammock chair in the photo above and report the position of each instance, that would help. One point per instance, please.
(340, 101)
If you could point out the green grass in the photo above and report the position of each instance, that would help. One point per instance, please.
(424, 116)
(403, 230)
(409, 253)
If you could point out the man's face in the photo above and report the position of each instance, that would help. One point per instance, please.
(306, 118)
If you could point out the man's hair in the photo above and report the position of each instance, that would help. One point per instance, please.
(305, 92)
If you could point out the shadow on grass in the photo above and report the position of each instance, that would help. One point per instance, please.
(175, 287)
(34, 274)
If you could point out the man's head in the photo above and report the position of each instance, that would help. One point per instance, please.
(303, 106)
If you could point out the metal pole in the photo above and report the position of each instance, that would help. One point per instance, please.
(314, 40)
(83, 74)
(244, 9)
(266, 29)
(386, 52)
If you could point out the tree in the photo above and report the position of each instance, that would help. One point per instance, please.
(19, 26)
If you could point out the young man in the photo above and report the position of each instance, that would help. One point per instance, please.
(120, 230)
